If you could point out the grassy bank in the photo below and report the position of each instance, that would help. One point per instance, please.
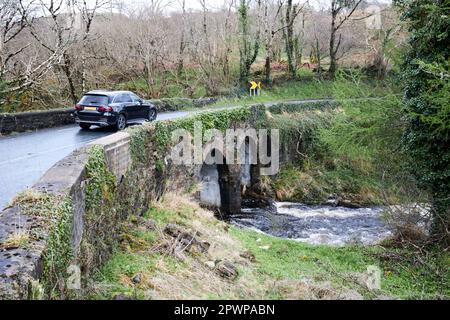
(149, 264)
(354, 86)
(351, 152)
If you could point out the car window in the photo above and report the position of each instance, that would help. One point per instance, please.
(95, 100)
(127, 98)
(118, 98)
(135, 98)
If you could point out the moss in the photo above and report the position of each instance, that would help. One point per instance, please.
(138, 144)
(160, 133)
(159, 166)
(102, 214)
(37, 291)
(101, 183)
(56, 216)
(59, 254)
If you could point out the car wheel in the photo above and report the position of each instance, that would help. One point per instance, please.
(121, 122)
(152, 114)
(85, 126)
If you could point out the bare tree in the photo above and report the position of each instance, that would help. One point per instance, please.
(206, 52)
(380, 42)
(55, 31)
(65, 24)
(228, 39)
(56, 49)
(248, 43)
(13, 21)
(88, 10)
(148, 41)
(182, 48)
(288, 20)
(271, 24)
(19, 69)
(341, 11)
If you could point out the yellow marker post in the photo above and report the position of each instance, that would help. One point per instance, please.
(255, 88)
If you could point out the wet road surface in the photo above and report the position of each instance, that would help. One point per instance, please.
(25, 157)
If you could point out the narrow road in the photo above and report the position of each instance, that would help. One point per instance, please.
(25, 157)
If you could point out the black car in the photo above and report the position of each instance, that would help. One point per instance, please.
(112, 108)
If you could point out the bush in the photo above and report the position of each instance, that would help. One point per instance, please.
(426, 75)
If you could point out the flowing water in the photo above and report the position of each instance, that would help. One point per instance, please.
(336, 226)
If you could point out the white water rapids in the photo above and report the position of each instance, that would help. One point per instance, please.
(336, 226)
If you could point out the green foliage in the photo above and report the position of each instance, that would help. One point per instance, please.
(103, 212)
(115, 277)
(59, 252)
(55, 214)
(101, 184)
(138, 144)
(351, 149)
(299, 123)
(405, 276)
(220, 120)
(366, 127)
(312, 90)
(426, 78)
(136, 255)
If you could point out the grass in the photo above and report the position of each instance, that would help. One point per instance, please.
(172, 276)
(309, 90)
(282, 269)
(355, 154)
(403, 276)
(18, 239)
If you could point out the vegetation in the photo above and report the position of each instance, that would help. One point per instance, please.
(349, 151)
(279, 269)
(56, 215)
(178, 52)
(403, 276)
(426, 79)
(312, 89)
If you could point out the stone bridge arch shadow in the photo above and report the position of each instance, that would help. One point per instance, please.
(223, 185)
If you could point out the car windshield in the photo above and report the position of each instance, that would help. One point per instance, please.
(94, 100)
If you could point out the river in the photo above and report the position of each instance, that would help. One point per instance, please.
(325, 225)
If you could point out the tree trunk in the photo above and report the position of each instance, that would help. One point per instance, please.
(68, 73)
(318, 58)
(289, 38)
(267, 71)
(248, 50)
(441, 217)
(333, 51)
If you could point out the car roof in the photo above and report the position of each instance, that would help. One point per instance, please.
(107, 93)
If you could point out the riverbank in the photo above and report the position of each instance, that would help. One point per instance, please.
(181, 251)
